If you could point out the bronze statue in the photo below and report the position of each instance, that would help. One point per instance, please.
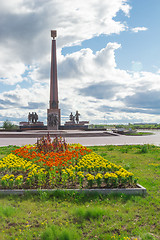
(32, 117)
(77, 117)
(72, 118)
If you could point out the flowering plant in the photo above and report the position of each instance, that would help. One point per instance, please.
(55, 164)
(90, 179)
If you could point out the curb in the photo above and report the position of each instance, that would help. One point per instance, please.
(140, 190)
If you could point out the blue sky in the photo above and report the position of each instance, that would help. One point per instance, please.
(141, 47)
(107, 55)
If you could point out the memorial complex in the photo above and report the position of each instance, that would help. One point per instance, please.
(54, 112)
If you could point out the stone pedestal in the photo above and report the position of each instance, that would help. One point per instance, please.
(23, 126)
(53, 119)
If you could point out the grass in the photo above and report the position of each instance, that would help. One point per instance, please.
(65, 215)
(4, 151)
(138, 133)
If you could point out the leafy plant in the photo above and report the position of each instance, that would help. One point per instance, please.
(46, 145)
(7, 125)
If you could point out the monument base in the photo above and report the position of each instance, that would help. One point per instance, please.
(74, 127)
(53, 119)
(23, 126)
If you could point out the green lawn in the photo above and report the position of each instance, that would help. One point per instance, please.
(73, 216)
(138, 133)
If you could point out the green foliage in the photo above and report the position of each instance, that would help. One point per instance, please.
(55, 233)
(138, 133)
(147, 126)
(43, 195)
(148, 236)
(144, 149)
(6, 150)
(127, 126)
(124, 150)
(7, 125)
(110, 147)
(88, 213)
(6, 211)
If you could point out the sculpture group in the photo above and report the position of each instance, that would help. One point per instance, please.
(75, 118)
(32, 117)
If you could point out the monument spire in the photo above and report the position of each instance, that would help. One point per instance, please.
(53, 113)
(53, 76)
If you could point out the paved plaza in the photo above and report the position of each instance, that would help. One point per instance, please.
(85, 140)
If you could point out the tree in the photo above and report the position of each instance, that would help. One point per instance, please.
(7, 125)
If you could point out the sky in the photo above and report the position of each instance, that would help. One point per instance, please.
(107, 56)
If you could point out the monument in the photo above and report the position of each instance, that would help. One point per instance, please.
(32, 124)
(32, 117)
(74, 122)
(53, 113)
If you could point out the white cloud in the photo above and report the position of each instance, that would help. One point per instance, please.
(88, 82)
(138, 29)
(126, 9)
(91, 84)
(12, 73)
(97, 87)
(25, 30)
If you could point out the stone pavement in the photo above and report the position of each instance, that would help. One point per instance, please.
(53, 133)
(91, 140)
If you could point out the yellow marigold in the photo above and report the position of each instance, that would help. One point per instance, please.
(98, 176)
(107, 175)
(80, 174)
(19, 177)
(154, 164)
(113, 175)
(89, 177)
(109, 165)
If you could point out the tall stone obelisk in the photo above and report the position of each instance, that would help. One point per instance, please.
(53, 113)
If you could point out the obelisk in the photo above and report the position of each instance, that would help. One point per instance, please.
(53, 113)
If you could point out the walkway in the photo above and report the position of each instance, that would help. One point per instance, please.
(88, 141)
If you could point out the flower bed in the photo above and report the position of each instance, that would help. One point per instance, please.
(54, 164)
